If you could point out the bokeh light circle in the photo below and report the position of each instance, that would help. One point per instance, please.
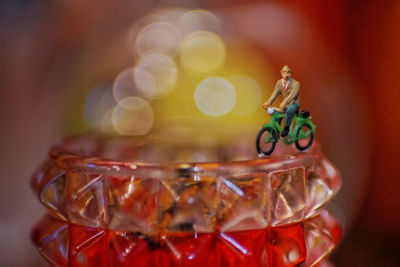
(215, 96)
(170, 15)
(202, 52)
(248, 94)
(156, 75)
(158, 37)
(195, 20)
(124, 85)
(98, 100)
(132, 116)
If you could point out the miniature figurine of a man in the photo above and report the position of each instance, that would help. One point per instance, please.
(289, 88)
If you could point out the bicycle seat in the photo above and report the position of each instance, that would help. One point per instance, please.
(304, 113)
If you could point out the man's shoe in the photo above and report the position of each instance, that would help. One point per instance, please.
(285, 131)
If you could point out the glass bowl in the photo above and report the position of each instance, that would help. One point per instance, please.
(132, 202)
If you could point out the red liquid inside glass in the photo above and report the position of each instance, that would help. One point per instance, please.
(279, 246)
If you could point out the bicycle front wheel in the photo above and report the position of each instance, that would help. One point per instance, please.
(266, 141)
(304, 137)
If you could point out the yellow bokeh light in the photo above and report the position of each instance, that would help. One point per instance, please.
(248, 94)
(156, 75)
(158, 37)
(132, 116)
(202, 52)
(215, 96)
(195, 20)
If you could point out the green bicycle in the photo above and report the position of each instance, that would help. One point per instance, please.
(301, 132)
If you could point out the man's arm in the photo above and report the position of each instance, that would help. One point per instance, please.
(295, 92)
(274, 95)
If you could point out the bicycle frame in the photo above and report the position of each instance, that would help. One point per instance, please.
(297, 122)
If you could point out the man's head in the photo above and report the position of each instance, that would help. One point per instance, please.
(286, 72)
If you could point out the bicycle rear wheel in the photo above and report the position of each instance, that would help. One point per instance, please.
(266, 141)
(304, 137)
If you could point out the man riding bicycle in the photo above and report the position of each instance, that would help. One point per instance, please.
(289, 88)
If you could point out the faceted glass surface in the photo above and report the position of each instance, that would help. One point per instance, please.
(188, 203)
(307, 242)
(286, 196)
(50, 184)
(87, 198)
(133, 203)
(51, 238)
(264, 212)
(242, 202)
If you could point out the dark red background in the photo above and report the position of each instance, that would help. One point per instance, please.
(42, 41)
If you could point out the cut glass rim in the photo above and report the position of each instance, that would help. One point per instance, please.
(70, 153)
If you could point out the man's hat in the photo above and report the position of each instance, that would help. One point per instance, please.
(286, 68)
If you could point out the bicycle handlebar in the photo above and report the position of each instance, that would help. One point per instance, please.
(272, 110)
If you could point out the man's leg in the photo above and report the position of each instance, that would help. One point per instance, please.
(291, 110)
(279, 120)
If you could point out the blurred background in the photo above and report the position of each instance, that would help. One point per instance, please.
(72, 66)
